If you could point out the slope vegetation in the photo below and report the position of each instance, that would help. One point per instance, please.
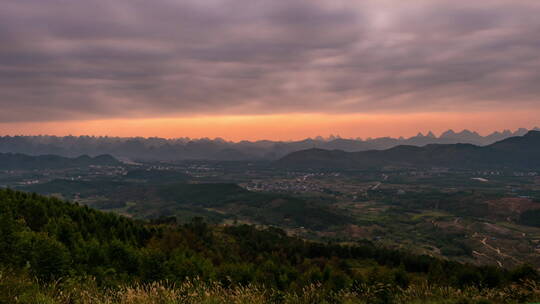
(56, 241)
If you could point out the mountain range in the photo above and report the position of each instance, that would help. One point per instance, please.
(138, 148)
(514, 152)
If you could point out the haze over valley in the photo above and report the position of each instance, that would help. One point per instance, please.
(137, 148)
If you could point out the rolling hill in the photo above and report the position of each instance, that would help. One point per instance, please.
(17, 161)
(515, 152)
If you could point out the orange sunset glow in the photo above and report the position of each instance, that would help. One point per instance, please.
(283, 127)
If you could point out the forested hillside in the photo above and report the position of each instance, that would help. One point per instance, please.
(46, 245)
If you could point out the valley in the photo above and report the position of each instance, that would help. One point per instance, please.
(473, 216)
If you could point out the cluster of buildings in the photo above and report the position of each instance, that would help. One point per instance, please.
(289, 186)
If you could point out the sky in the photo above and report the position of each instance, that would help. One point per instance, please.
(253, 69)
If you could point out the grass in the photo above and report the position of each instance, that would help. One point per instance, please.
(20, 288)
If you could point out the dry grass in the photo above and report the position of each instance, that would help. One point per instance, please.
(20, 289)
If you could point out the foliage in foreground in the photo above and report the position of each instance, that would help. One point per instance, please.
(53, 251)
(20, 288)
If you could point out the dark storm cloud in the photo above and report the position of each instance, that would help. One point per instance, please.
(64, 59)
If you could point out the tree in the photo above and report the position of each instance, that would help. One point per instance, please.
(48, 259)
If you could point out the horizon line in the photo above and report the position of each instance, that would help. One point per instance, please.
(329, 137)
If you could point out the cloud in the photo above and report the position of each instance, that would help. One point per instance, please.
(63, 59)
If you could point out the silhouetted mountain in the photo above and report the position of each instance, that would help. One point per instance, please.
(514, 152)
(17, 161)
(137, 148)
